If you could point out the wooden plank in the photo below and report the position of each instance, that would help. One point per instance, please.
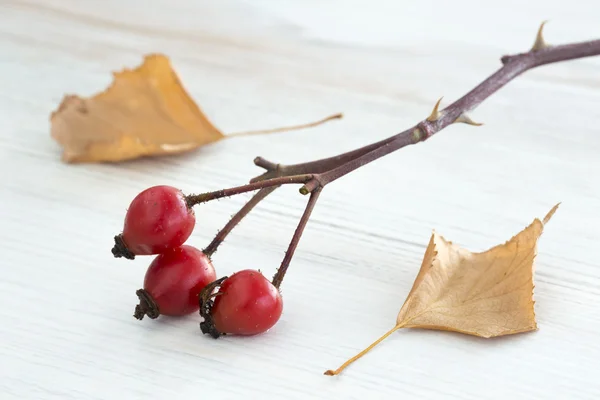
(67, 330)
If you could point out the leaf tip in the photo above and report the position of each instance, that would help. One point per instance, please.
(435, 114)
(540, 42)
(550, 213)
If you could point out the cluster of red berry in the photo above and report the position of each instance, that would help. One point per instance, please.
(181, 279)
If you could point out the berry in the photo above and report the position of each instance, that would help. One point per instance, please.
(173, 282)
(245, 304)
(157, 219)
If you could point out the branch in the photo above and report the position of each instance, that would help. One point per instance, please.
(457, 112)
(315, 175)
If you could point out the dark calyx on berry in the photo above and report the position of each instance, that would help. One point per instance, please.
(246, 304)
(147, 306)
(206, 303)
(120, 249)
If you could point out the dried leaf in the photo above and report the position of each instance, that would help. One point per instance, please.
(485, 294)
(145, 112)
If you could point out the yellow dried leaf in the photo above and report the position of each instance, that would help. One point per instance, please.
(485, 294)
(145, 112)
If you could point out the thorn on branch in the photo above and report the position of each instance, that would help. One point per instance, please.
(540, 43)
(435, 114)
(465, 119)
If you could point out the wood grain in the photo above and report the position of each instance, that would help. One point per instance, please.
(67, 330)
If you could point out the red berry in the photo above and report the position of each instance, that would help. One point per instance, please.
(157, 219)
(246, 304)
(173, 281)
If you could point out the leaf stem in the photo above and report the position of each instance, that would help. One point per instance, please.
(286, 128)
(330, 372)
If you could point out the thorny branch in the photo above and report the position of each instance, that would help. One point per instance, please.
(315, 175)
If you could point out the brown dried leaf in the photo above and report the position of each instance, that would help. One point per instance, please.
(145, 112)
(483, 294)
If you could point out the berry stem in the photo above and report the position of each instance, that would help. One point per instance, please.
(237, 218)
(194, 199)
(147, 306)
(278, 278)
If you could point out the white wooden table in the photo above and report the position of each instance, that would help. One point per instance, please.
(66, 325)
